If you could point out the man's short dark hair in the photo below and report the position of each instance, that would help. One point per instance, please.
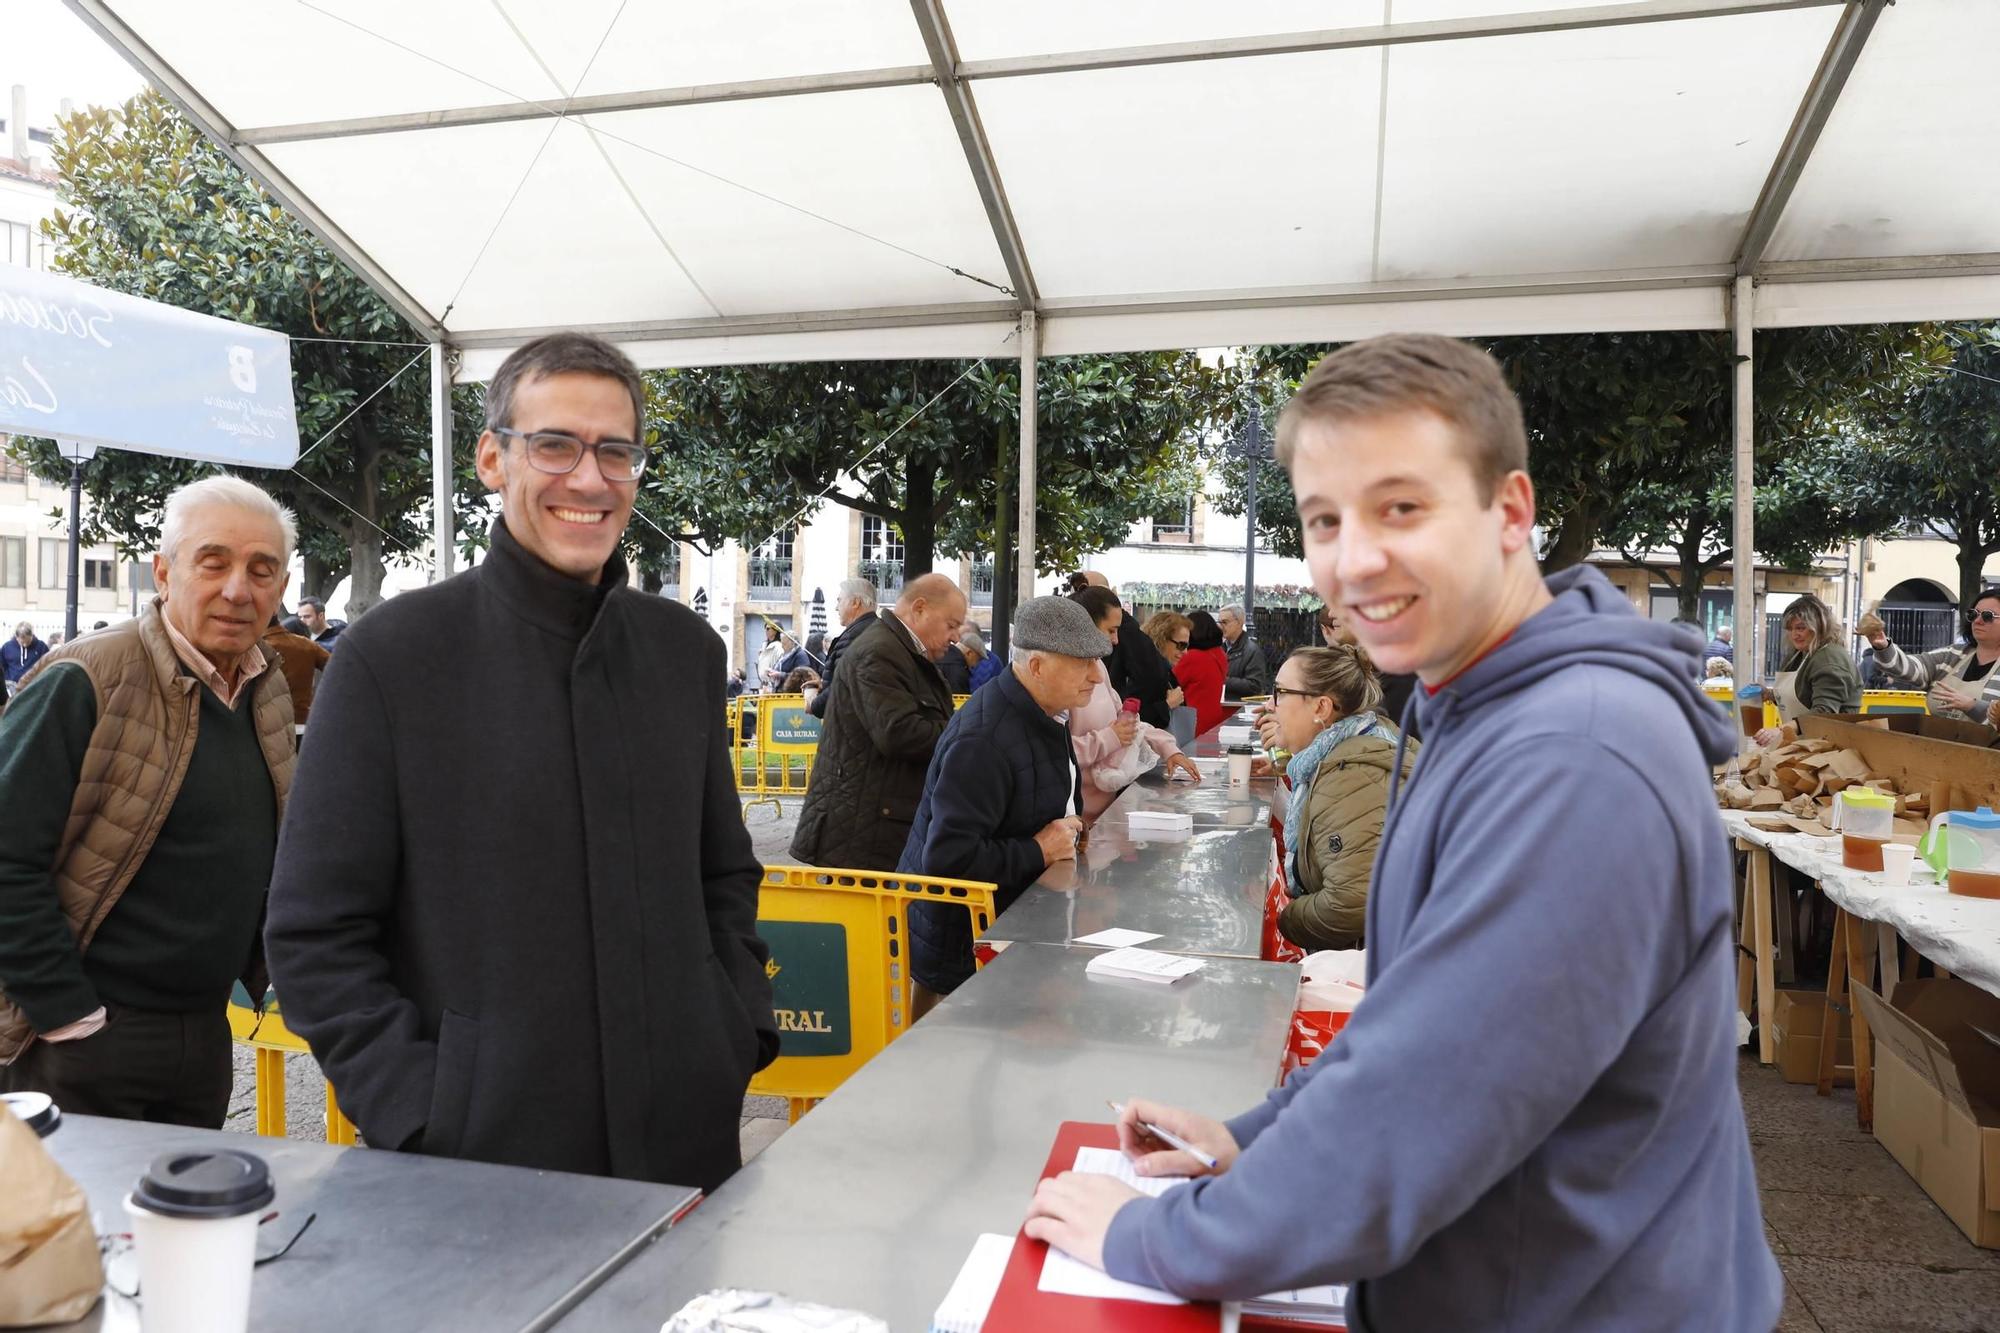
(314, 602)
(1098, 601)
(562, 354)
(1417, 372)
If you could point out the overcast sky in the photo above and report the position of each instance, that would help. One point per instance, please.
(56, 55)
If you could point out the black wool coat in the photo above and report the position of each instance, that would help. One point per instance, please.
(841, 643)
(1003, 771)
(514, 910)
(1138, 671)
(883, 723)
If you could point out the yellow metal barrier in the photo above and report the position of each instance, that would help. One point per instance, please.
(1872, 701)
(787, 743)
(840, 968)
(273, 1041)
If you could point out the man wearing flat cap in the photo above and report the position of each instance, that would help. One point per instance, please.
(1002, 795)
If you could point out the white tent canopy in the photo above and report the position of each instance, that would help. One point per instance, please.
(763, 181)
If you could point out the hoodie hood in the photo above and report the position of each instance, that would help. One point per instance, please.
(1589, 622)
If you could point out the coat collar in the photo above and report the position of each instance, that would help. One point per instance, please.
(542, 596)
(166, 663)
(901, 633)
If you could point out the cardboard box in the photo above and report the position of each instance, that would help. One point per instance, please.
(1923, 724)
(1924, 754)
(1937, 1095)
(1796, 1016)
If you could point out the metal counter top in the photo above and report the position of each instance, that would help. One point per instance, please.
(1202, 892)
(401, 1241)
(873, 1200)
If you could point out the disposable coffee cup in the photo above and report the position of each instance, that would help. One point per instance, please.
(1897, 858)
(37, 1110)
(194, 1223)
(1239, 765)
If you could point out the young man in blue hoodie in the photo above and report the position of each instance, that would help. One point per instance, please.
(1533, 1121)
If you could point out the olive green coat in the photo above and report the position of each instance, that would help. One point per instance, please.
(1336, 849)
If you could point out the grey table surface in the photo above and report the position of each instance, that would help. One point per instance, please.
(401, 1241)
(873, 1200)
(1201, 892)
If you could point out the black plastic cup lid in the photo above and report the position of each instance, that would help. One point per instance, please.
(37, 1109)
(1242, 749)
(220, 1182)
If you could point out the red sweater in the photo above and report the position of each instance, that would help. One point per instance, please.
(1201, 672)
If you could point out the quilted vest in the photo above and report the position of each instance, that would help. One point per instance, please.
(147, 711)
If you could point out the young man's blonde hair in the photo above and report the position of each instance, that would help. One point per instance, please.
(1417, 372)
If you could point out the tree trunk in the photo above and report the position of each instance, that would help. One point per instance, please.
(919, 523)
(1971, 563)
(1575, 539)
(364, 539)
(650, 579)
(365, 590)
(1003, 548)
(322, 577)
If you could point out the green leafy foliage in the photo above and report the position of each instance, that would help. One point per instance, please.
(151, 208)
(1932, 454)
(745, 449)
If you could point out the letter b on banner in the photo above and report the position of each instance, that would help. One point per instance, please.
(243, 368)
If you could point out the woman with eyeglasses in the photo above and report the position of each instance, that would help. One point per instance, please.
(1817, 676)
(1962, 684)
(1202, 667)
(1342, 753)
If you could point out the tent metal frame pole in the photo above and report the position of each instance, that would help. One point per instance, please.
(1024, 572)
(936, 30)
(210, 122)
(444, 529)
(1059, 62)
(1822, 93)
(1746, 616)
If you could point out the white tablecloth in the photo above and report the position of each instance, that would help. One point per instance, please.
(1957, 933)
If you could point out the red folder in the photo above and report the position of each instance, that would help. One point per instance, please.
(1021, 1306)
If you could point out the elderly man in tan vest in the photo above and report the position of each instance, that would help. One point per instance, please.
(143, 771)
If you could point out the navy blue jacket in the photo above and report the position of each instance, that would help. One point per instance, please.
(18, 661)
(1002, 771)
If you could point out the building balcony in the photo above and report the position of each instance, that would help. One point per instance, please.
(770, 579)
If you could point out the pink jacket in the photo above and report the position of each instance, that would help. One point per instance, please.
(1097, 745)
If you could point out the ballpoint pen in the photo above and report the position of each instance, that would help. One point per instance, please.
(1168, 1138)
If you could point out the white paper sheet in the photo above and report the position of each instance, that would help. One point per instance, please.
(1069, 1277)
(1118, 937)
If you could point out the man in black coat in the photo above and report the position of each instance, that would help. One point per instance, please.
(514, 910)
(885, 719)
(854, 603)
(1003, 795)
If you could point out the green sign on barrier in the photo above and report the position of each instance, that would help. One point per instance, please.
(794, 726)
(808, 970)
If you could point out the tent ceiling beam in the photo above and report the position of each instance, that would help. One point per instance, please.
(1379, 34)
(936, 30)
(1843, 49)
(901, 76)
(1446, 289)
(210, 122)
(749, 90)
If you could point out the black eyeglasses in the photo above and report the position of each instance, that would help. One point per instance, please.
(1181, 643)
(553, 452)
(1280, 691)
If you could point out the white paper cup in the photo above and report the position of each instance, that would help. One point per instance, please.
(1239, 769)
(194, 1225)
(1897, 858)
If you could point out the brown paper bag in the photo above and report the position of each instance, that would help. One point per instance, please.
(49, 1269)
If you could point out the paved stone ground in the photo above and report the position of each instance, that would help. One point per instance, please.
(1863, 1249)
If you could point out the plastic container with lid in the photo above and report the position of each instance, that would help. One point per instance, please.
(1963, 847)
(1750, 705)
(1867, 817)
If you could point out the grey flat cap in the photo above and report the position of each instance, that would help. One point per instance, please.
(1058, 625)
